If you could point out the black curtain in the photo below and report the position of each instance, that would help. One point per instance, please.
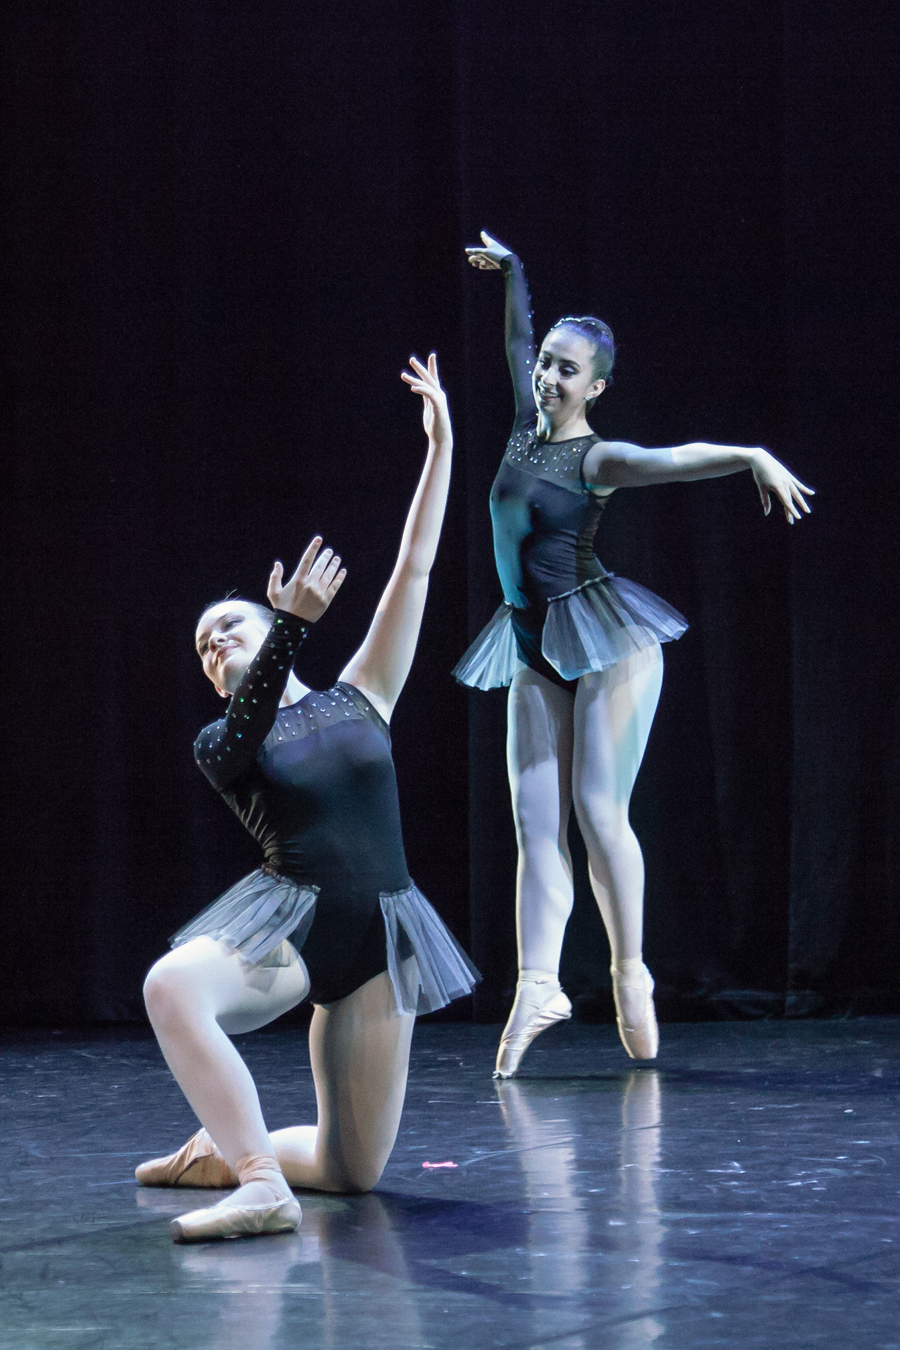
(226, 228)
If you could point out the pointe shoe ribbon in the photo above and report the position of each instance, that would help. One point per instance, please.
(641, 1041)
(196, 1163)
(226, 1220)
(540, 1014)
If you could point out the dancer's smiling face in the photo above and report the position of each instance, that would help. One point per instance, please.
(564, 379)
(228, 637)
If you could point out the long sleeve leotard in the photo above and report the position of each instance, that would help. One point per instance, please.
(564, 615)
(314, 783)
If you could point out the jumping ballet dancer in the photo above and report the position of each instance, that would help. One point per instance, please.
(331, 914)
(580, 650)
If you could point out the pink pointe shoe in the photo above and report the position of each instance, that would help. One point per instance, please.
(196, 1163)
(539, 1003)
(227, 1220)
(234, 1217)
(641, 1041)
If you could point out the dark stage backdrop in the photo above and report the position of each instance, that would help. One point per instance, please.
(227, 225)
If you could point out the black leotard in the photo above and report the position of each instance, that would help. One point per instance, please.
(314, 783)
(567, 614)
(544, 518)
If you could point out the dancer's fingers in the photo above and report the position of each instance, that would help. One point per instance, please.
(273, 589)
(321, 562)
(329, 572)
(420, 387)
(790, 510)
(478, 258)
(420, 374)
(336, 583)
(785, 499)
(309, 556)
(797, 494)
(428, 374)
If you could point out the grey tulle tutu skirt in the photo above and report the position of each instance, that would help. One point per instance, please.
(590, 628)
(262, 909)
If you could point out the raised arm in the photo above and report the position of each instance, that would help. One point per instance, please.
(493, 256)
(383, 662)
(619, 464)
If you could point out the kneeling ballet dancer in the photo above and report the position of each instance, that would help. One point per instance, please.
(331, 914)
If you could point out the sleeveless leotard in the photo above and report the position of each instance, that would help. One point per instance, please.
(563, 614)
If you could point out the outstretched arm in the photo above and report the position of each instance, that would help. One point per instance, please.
(383, 662)
(493, 256)
(618, 464)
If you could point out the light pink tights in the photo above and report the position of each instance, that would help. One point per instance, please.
(201, 994)
(582, 749)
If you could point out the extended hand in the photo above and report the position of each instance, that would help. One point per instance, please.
(771, 476)
(313, 586)
(490, 255)
(425, 380)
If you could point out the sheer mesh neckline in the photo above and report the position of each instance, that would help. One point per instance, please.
(319, 709)
(570, 440)
(323, 693)
(557, 462)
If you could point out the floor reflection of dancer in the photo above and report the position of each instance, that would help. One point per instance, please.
(343, 1257)
(641, 1156)
(581, 651)
(310, 775)
(555, 1272)
(556, 1151)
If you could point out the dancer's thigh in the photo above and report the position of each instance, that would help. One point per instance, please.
(359, 1049)
(213, 980)
(614, 711)
(539, 743)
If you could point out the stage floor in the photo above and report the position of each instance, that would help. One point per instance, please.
(744, 1192)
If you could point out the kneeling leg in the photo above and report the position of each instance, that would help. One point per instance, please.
(359, 1048)
(195, 996)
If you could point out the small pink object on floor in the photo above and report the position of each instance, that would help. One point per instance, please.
(444, 1164)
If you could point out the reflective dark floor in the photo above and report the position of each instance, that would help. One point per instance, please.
(744, 1192)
